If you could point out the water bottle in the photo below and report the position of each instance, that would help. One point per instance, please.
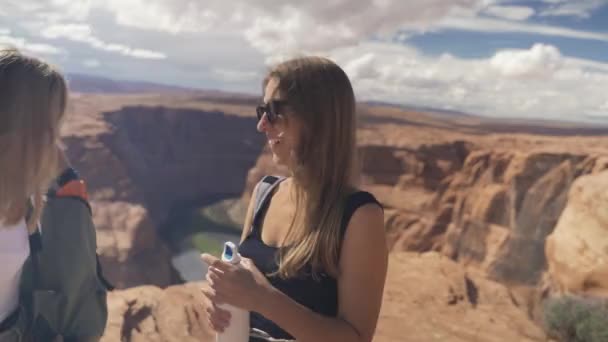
(238, 329)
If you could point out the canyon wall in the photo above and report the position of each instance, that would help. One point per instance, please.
(471, 215)
(144, 163)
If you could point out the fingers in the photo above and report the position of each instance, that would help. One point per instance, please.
(208, 278)
(213, 296)
(217, 325)
(218, 318)
(246, 262)
(217, 286)
(208, 293)
(250, 266)
(223, 314)
(213, 277)
(214, 262)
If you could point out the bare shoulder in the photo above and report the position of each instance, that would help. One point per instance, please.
(368, 213)
(366, 221)
(365, 228)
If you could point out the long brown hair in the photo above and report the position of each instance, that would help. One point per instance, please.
(320, 95)
(33, 98)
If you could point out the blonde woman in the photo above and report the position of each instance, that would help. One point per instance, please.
(49, 283)
(314, 245)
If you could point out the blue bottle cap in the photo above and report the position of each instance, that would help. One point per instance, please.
(230, 253)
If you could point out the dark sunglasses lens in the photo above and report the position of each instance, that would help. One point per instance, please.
(269, 109)
(272, 112)
(270, 115)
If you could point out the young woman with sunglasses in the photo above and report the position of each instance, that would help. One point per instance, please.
(313, 245)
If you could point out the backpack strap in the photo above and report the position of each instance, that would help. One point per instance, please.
(35, 238)
(71, 186)
(262, 194)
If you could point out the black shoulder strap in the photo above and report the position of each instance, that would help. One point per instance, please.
(35, 238)
(264, 189)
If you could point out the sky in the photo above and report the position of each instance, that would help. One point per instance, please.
(503, 58)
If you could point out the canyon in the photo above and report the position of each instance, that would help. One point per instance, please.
(485, 218)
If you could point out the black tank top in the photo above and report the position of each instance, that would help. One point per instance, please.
(319, 295)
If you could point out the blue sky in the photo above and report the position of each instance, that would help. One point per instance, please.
(468, 44)
(506, 58)
(471, 44)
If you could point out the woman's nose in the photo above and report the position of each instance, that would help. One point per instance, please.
(263, 124)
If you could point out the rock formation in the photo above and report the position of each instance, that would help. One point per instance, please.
(150, 314)
(143, 164)
(465, 200)
(577, 250)
(495, 212)
(429, 297)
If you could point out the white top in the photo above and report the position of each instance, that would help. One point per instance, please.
(14, 250)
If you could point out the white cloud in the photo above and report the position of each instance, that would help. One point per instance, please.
(76, 32)
(83, 33)
(578, 8)
(23, 44)
(178, 16)
(500, 26)
(91, 63)
(588, 65)
(4, 31)
(536, 82)
(541, 61)
(601, 113)
(518, 13)
(225, 44)
(15, 6)
(277, 28)
(44, 49)
(272, 27)
(362, 67)
(231, 75)
(51, 10)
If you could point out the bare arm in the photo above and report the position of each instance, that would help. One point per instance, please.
(363, 265)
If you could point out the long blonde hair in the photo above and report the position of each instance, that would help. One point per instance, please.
(33, 97)
(319, 93)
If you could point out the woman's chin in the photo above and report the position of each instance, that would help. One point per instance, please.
(279, 158)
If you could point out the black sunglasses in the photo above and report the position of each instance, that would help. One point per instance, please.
(272, 110)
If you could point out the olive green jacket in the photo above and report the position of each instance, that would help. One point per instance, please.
(62, 293)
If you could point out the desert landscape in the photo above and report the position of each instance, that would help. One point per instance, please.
(485, 218)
